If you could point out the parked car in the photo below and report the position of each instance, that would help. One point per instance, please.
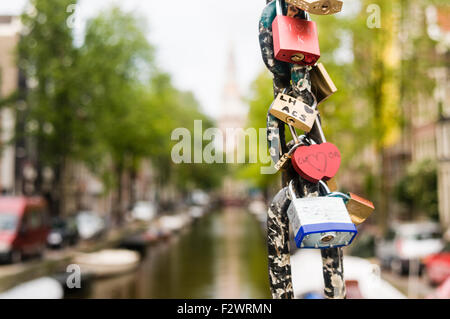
(441, 292)
(24, 227)
(408, 241)
(90, 225)
(438, 266)
(64, 232)
(144, 211)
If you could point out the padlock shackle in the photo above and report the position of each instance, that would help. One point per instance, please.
(300, 143)
(293, 133)
(291, 190)
(345, 197)
(307, 16)
(319, 128)
(279, 7)
(325, 187)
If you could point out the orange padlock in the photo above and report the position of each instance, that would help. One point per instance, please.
(294, 40)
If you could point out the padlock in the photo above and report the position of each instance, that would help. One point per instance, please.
(322, 7)
(359, 208)
(317, 162)
(298, 141)
(321, 84)
(332, 184)
(320, 222)
(294, 112)
(294, 40)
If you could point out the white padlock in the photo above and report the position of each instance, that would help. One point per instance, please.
(320, 222)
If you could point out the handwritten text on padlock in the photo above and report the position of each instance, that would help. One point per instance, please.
(316, 162)
(293, 111)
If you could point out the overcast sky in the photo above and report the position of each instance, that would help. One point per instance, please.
(192, 38)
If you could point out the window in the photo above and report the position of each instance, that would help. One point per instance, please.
(35, 219)
(8, 222)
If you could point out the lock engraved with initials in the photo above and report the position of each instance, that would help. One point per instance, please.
(294, 112)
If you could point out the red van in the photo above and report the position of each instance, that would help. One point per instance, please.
(24, 227)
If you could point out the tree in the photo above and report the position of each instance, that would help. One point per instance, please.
(104, 103)
(49, 61)
(259, 102)
(135, 107)
(417, 190)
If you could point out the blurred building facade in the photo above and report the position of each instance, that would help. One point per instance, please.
(9, 83)
(426, 133)
(440, 17)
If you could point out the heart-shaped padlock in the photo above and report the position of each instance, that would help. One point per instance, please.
(317, 162)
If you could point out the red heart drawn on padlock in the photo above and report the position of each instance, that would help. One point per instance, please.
(316, 162)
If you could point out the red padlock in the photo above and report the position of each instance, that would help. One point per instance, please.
(294, 40)
(316, 162)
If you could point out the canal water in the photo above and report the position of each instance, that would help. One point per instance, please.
(222, 255)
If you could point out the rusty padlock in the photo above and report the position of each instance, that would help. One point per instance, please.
(322, 7)
(294, 40)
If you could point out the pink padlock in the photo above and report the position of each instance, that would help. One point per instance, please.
(295, 40)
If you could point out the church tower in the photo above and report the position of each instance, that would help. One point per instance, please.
(232, 118)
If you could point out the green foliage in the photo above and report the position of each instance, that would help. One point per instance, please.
(104, 103)
(47, 57)
(417, 190)
(115, 51)
(378, 80)
(259, 102)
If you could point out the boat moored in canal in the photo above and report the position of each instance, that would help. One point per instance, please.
(108, 262)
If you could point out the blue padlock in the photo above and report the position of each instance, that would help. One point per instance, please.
(320, 222)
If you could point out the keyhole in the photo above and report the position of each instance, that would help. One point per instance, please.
(326, 238)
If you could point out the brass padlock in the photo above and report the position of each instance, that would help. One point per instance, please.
(332, 184)
(322, 7)
(294, 112)
(359, 208)
(284, 159)
(321, 84)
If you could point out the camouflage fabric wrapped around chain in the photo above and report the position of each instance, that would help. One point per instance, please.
(297, 79)
(278, 247)
(279, 69)
(333, 273)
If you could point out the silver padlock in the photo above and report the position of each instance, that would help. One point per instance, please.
(320, 222)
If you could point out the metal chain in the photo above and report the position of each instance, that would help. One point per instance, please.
(277, 221)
